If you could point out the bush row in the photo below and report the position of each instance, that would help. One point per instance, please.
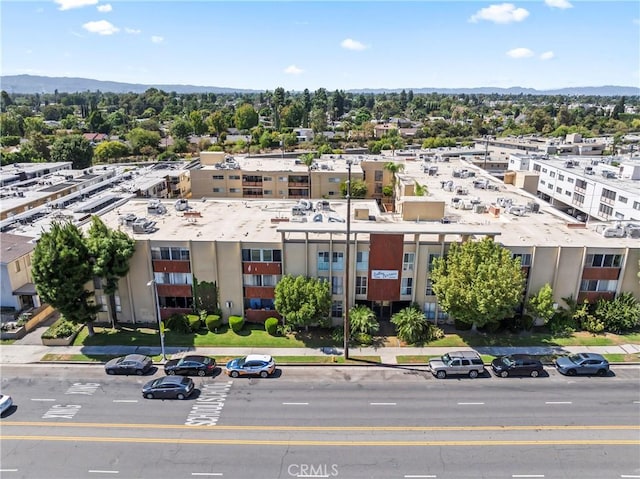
(191, 323)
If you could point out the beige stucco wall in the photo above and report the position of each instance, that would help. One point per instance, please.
(422, 209)
(211, 157)
(629, 280)
(527, 181)
(543, 265)
(229, 255)
(568, 272)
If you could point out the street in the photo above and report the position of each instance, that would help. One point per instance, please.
(74, 421)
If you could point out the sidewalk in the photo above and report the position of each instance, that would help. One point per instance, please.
(33, 353)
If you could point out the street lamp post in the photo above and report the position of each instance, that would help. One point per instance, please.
(347, 265)
(160, 328)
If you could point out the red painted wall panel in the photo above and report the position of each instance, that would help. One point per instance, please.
(177, 290)
(167, 266)
(264, 292)
(261, 268)
(385, 253)
(601, 273)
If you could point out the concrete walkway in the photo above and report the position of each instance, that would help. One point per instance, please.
(33, 353)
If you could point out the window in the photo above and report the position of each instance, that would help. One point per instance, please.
(218, 177)
(578, 198)
(525, 258)
(636, 205)
(267, 178)
(175, 302)
(336, 284)
(378, 175)
(606, 210)
(118, 305)
(234, 177)
(234, 190)
(218, 190)
(550, 186)
(268, 192)
(172, 254)
(362, 260)
(542, 182)
(323, 261)
(104, 303)
(361, 285)
(536, 168)
(429, 290)
(97, 282)
(552, 174)
(262, 255)
(17, 265)
(608, 194)
(406, 286)
(430, 311)
(337, 260)
(561, 177)
(259, 303)
(336, 309)
(558, 189)
(567, 193)
(544, 170)
(407, 261)
(432, 257)
(173, 278)
(604, 260)
(599, 285)
(619, 216)
(283, 178)
(334, 180)
(581, 184)
(259, 279)
(622, 199)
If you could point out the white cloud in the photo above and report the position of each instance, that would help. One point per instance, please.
(558, 4)
(101, 27)
(104, 8)
(547, 55)
(293, 70)
(503, 13)
(351, 44)
(132, 31)
(70, 4)
(157, 39)
(520, 53)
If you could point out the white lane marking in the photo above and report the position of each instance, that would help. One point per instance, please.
(15, 470)
(416, 476)
(627, 476)
(295, 403)
(98, 471)
(42, 399)
(470, 403)
(382, 404)
(527, 475)
(558, 402)
(206, 473)
(125, 400)
(636, 402)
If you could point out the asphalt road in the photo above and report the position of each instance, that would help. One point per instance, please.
(76, 422)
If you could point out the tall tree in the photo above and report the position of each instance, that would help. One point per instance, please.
(394, 168)
(245, 117)
(111, 251)
(478, 282)
(303, 301)
(73, 148)
(61, 268)
(541, 304)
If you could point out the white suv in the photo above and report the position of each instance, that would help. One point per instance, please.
(458, 362)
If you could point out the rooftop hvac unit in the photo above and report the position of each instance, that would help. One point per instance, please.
(182, 205)
(533, 207)
(479, 209)
(613, 232)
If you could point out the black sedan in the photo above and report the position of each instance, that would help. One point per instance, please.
(168, 387)
(130, 364)
(516, 365)
(190, 366)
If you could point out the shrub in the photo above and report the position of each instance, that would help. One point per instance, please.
(178, 323)
(236, 323)
(592, 324)
(271, 326)
(284, 329)
(62, 328)
(363, 338)
(562, 325)
(434, 333)
(195, 323)
(337, 334)
(461, 325)
(213, 322)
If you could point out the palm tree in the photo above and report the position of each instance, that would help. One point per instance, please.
(411, 325)
(308, 159)
(394, 168)
(362, 320)
(420, 190)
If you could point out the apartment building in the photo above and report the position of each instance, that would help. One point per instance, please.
(245, 245)
(16, 284)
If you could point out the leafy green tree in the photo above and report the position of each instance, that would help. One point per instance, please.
(412, 326)
(478, 282)
(181, 128)
(40, 145)
(111, 251)
(196, 118)
(245, 117)
(108, 151)
(217, 123)
(73, 148)
(420, 190)
(541, 305)
(620, 314)
(61, 268)
(318, 120)
(303, 301)
(358, 189)
(139, 138)
(362, 320)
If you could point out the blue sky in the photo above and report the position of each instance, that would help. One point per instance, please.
(262, 45)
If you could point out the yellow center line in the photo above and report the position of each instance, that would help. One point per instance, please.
(254, 442)
(620, 427)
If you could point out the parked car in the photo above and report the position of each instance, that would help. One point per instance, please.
(253, 364)
(517, 365)
(168, 387)
(5, 402)
(190, 366)
(457, 363)
(129, 364)
(582, 363)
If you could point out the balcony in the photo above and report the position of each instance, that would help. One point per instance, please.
(171, 266)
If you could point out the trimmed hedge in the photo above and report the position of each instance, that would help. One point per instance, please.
(178, 323)
(195, 323)
(213, 322)
(62, 328)
(271, 326)
(236, 323)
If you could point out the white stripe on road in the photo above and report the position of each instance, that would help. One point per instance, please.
(636, 402)
(206, 473)
(558, 402)
(125, 400)
(527, 475)
(295, 403)
(470, 403)
(42, 399)
(416, 476)
(15, 470)
(382, 404)
(98, 471)
(624, 475)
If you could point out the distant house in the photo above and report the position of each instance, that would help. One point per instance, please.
(16, 283)
(303, 134)
(95, 138)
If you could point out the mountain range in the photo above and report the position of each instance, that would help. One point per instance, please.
(31, 84)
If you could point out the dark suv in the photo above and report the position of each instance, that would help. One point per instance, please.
(517, 365)
(458, 362)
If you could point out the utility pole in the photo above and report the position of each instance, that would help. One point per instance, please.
(347, 255)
